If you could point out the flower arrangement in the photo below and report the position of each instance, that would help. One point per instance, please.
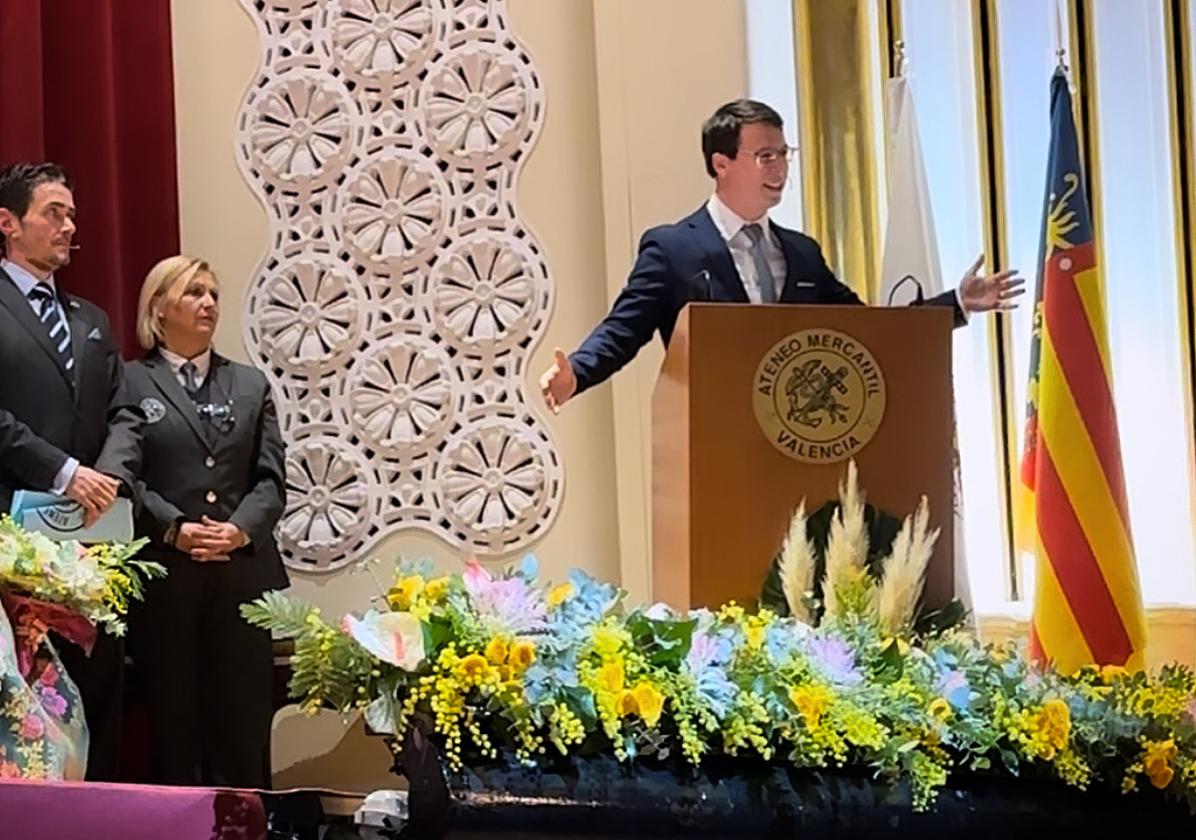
(505, 667)
(96, 582)
(73, 590)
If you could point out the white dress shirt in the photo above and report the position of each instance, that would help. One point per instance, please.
(26, 281)
(202, 362)
(731, 226)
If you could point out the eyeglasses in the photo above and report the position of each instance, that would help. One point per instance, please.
(771, 157)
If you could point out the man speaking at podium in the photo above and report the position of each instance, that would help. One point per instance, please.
(729, 251)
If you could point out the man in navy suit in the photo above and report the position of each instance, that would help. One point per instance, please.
(729, 251)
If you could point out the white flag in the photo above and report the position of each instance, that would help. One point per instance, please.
(911, 256)
(911, 250)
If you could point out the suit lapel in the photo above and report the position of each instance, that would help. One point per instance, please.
(80, 329)
(221, 375)
(18, 305)
(792, 261)
(164, 378)
(717, 256)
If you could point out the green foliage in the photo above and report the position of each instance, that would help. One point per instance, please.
(284, 615)
(328, 669)
(665, 642)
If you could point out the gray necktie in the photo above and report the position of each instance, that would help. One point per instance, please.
(764, 278)
(190, 377)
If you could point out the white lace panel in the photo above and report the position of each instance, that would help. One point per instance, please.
(401, 296)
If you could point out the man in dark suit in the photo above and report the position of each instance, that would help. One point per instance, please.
(62, 426)
(729, 251)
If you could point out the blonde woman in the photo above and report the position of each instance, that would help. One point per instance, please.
(211, 491)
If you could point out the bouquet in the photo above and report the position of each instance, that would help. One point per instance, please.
(73, 590)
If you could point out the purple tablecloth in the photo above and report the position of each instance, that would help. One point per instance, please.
(50, 810)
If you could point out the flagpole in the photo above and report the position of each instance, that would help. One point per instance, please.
(1060, 50)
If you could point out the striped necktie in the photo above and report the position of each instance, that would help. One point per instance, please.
(51, 316)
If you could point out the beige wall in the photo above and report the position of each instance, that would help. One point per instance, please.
(619, 152)
(663, 68)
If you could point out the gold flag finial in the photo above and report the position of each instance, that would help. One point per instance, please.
(1060, 49)
(899, 59)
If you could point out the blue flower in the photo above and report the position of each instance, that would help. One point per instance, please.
(423, 567)
(834, 659)
(543, 682)
(707, 649)
(715, 690)
(953, 686)
(784, 640)
(590, 602)
(529, 568)
(708, 658)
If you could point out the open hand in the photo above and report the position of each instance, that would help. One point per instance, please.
(984, 293)
(558, 383)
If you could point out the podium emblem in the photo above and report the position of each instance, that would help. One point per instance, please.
(819, 396)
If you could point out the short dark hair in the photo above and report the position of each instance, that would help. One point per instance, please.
(720, 133)
(19, 180)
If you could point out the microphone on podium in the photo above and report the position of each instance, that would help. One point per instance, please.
(919, 295)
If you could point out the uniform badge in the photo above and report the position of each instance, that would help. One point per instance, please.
(154, 410)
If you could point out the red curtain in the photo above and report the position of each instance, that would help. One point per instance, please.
(89, 84)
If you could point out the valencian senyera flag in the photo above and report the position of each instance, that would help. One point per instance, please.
(1072, 512)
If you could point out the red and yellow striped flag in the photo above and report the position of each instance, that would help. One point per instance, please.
(1072, 511)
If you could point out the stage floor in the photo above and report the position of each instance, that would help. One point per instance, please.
(73, 810)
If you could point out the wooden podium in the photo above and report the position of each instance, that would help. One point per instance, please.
(746, 391)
